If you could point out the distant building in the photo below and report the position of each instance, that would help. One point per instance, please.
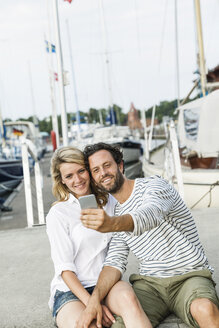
(133, 118)
(134, 121)
(148, 121)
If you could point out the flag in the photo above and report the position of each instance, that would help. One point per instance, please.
(68, 1)
(56, 76)
(50, 47)
(17, 132)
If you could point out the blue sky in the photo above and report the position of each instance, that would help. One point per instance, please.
(140, 37)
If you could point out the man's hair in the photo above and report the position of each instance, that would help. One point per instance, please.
(114, 150)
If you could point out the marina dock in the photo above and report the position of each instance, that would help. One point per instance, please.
(27, 269)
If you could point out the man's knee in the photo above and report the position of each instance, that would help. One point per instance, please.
(128, 297)
(203, 307)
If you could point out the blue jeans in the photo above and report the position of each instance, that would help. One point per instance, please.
(61, 298)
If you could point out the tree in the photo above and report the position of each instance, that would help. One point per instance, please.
(165, 108)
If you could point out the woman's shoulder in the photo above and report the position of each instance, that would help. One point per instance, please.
(62, 210)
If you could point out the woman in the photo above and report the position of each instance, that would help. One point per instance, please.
(77, 252)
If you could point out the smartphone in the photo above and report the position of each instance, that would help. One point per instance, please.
(88, 201)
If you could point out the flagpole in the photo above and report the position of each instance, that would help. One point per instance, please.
(74, 80)
(50, 64)
(55, 125)
(35, 119)
(60, 75)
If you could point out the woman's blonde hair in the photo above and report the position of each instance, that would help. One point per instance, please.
(61, 192)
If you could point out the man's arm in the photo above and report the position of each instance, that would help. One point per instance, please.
(107, 279)
(99, 220)
(158, 199)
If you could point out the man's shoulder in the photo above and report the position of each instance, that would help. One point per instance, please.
(153, 184)
(153, 179)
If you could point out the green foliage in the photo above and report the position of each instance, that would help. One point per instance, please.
(165, 108)
(121, 117)
(46, 125)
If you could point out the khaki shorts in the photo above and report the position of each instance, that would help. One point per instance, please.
(161, 296)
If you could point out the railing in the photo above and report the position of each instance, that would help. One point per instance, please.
(29, 148)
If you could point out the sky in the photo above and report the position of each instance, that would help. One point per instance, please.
(139, 41)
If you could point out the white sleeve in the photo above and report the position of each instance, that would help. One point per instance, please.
(62, 251)
(110, 205)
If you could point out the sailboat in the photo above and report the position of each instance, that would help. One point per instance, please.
(198, 136)
(114, 134)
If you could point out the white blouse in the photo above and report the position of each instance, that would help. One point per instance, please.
(74, 247)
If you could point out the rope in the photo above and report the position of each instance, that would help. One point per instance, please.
(6, 174)
(209, 191)
(6, 188)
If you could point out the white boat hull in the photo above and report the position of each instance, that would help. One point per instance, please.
(197, 183)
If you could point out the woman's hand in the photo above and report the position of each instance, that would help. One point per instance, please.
(107, 317)
(93, 311)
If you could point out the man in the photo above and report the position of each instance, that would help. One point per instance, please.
(155, 224)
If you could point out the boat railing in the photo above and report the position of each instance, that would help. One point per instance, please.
(28, 147)
(176, 158)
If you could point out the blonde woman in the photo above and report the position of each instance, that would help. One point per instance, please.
(78, 252)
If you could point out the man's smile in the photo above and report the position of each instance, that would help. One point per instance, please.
(106, 179)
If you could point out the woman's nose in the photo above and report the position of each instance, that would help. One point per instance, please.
(77, 178)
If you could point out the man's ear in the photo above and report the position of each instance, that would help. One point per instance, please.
(121, 167)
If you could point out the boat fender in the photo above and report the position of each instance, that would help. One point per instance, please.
(53, 139)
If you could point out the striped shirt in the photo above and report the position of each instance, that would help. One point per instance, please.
(165, 238)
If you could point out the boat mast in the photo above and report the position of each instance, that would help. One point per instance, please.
(200, 55)
(107, 61)
(60, 74)
(3, 142)
(177, 55)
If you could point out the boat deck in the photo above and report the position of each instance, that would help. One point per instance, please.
(27, 269)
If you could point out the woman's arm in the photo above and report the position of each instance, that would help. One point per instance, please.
(75, 286)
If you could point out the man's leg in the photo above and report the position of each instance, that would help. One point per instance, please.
(196, 301)
(205, 312)
(150, 298)
(122, 301)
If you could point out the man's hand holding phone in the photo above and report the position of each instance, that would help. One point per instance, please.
(93, 217)
(96, 219)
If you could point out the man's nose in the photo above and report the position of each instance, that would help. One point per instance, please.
(102, 171)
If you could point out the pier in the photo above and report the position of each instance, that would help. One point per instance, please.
(27, 269)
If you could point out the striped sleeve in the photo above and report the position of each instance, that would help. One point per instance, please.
(158, 200)
(117, 253)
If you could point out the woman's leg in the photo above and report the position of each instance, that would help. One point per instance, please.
(69, 314)
(122, 301)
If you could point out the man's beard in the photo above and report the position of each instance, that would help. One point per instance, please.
(119, 180)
